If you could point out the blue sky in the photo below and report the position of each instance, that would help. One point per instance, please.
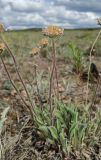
(18, 14)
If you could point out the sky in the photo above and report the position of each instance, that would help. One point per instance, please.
(20, 14)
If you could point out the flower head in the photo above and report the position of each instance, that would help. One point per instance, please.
(2, 29)
(53, 31)
(43, 42)
(2, 47)
(35, 50)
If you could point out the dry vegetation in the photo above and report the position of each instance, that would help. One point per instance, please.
(50, 94)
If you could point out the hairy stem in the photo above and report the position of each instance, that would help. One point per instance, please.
(55, 68)
(53, 71)
(50, 91)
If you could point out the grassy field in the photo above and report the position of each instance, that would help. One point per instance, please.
(25, 40)
(65, 126)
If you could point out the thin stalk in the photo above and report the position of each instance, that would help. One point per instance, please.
(55, 67)
(90, 61)
(54, 70)
(54, 88)
(50, 91)
(8, 74)
(17, 70)
(39, 96)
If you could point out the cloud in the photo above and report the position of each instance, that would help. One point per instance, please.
(80, 5)
(39, 13)
(27, 6)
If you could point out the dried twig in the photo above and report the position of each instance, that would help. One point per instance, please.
(17, 70)
(27, 106)
(90, 61)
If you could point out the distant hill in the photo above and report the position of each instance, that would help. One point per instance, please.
(39, 29)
